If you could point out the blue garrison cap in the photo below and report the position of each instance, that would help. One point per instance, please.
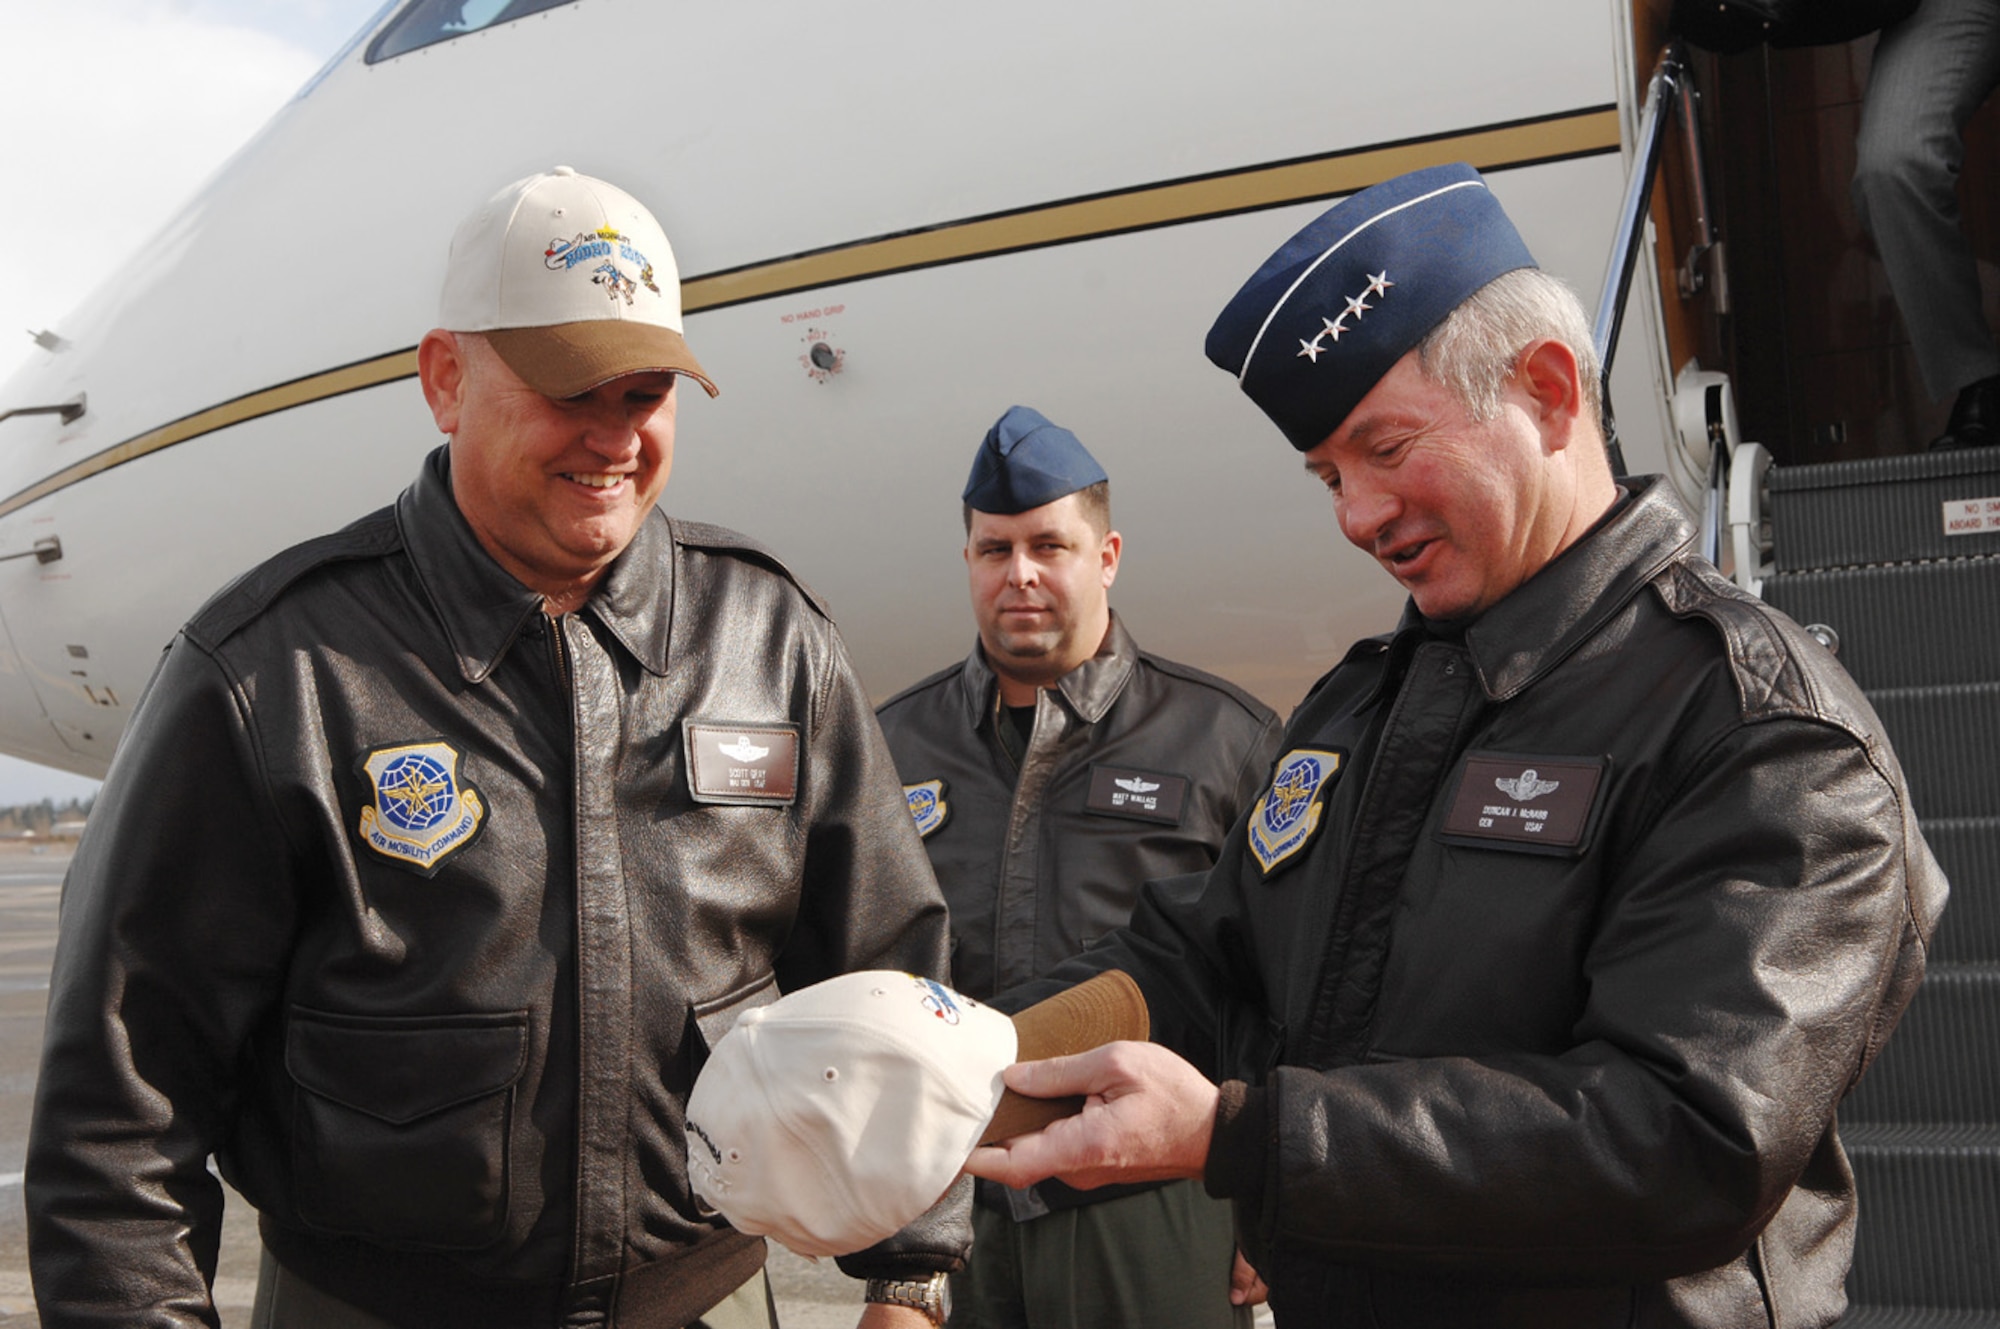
(1347, 297)
(1025, 462)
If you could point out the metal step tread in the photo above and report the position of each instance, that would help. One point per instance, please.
(1903, 624)
(1968, 849)
(1890, 1138)
(1943, 1063)
(1880, 510)
(1860, 1316)
(1870, 472)
(1945, 736)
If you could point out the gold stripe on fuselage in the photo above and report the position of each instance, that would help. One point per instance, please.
(1498, 147)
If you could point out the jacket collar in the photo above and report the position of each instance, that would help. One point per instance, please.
(1554, 612)
(483, 609)
(1090, 688)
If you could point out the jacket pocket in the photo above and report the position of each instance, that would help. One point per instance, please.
(401, 1124)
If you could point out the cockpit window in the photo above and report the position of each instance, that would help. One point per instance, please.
(427, 22)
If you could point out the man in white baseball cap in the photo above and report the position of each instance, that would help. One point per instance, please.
(443, 848)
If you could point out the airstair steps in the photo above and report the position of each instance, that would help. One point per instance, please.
(1917, 1317)
(1939, 1066)
(1868, 548)
(1883, 510)
(1929, 1233)
(1948, 739)
(1968, 848)
(1904, 624)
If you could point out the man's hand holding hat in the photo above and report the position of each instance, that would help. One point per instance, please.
(1147, 1116)
(834, 1117)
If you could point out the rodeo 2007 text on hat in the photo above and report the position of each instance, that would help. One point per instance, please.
(836, 1115)
(1347, 297)
(573, 283)
(1025, 461)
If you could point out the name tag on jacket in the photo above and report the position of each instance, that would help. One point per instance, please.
(1544, 805)
(741, 763)
(1120, 791)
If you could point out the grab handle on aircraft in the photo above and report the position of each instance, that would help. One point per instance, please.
(46, 550)
(71, 411)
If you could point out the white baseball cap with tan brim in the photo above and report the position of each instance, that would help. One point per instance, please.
(572, 282)
(832, 1118)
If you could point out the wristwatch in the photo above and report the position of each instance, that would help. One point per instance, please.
(930, 1295)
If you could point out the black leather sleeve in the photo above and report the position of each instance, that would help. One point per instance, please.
(176, 918)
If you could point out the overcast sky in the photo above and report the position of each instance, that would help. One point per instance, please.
(116, 111)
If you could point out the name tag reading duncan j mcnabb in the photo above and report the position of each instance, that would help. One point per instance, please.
(742, 763)
(1538, 804)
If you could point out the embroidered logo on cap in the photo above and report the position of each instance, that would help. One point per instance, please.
(1537, 804)
(730, 763)
(423, 813)
(927, 806)
(939, 1000)
(609, 244)
(1120, 791)
(1287, 817)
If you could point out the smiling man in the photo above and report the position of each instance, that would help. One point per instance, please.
(442, 849)
(1527, 991)
(1052, 771)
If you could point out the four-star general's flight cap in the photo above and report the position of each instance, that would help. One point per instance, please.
(1024, 462)
(833, 1117)
(1347, 297)
(571, 281)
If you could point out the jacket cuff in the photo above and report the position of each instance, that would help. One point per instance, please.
(1240, 1145)
(936, 1241)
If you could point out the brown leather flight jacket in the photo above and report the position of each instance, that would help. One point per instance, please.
(1583, 1075)
(452, 1079)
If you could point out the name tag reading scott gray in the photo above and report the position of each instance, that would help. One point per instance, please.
(742, 763)
(1535, 803)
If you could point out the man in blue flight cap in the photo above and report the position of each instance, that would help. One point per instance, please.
(1527, 990)
(1051, 772)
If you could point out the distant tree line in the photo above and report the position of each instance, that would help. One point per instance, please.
(44, 820)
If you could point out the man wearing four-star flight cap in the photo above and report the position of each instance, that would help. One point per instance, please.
(1050, 772)
(1528, 989)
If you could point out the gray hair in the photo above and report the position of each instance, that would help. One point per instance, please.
(1478, 346)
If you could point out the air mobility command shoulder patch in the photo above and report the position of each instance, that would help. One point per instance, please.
(927, 806)
(1287, 817)
(423, 812)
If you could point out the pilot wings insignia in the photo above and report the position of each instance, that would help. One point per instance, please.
(1527, 786)
(1137, 786)
(744, 750)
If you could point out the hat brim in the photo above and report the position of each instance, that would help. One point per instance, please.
(1109, 1008)
(569, 359)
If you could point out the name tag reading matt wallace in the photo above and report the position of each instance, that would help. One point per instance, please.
(1119, 791)
(1539, 804)
(741, 763)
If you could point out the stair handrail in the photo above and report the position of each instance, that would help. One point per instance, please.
(1669, 91)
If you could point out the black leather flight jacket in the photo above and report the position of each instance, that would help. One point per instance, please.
(454, 1089)
(1038, 863)
(1582, 1076)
